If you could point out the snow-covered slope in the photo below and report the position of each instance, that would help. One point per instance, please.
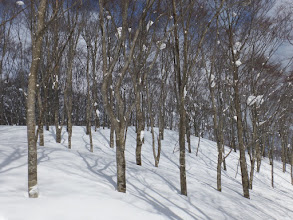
(78, 184)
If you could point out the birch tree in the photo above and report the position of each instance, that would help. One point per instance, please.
(37, 39)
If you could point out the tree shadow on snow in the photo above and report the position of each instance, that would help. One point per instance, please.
(103, 136)
(161, 208)
(12, 157)
(94, 169)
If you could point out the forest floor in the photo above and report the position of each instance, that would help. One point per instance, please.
(79, 185)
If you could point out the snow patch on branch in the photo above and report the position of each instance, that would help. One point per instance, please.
(213, 84)
(119, 32)
(261, 123)
(20, 3)
(258, 100)
(162, 46)
(238, 63)
(185, 92)
(149, 24)
(97, 112)
(237, 46)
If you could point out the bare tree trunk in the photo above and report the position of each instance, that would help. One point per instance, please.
(112, 132)
(284, 151)
(224, 159)
(219, 169)
(217, 123)
(41, 118)
(260, 153)
(182, 149)
(237, 103)
(255, 145)
(251, 173)
(161, 120)
(68, 92)
(219, 144)
(118, 123)
(243, 164)
(292, 161)
(120, 162)
(140, 128)
(272, 162)
(198, 144)
(156, 155)
(46, 113)
(95, 97)
(233, 142)
(180, 104)
(188, 133)
(109, 123)
(139, 140)
(37, 39)
(58, 126)
(89, 103)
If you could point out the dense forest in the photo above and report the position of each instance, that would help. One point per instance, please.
(209, 68)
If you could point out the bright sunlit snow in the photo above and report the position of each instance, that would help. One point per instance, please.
(77, 184)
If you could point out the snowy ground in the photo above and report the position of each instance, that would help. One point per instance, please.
(78, 184)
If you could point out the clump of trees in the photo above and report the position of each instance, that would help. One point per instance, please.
(207, 68)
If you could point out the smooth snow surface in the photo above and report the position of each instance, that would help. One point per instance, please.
(77, 184)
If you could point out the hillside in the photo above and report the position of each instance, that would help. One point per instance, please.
(78, 184)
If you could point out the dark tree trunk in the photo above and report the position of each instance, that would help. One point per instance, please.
(188, 134)
(139, 127)
(120, 162)
(182, 149)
